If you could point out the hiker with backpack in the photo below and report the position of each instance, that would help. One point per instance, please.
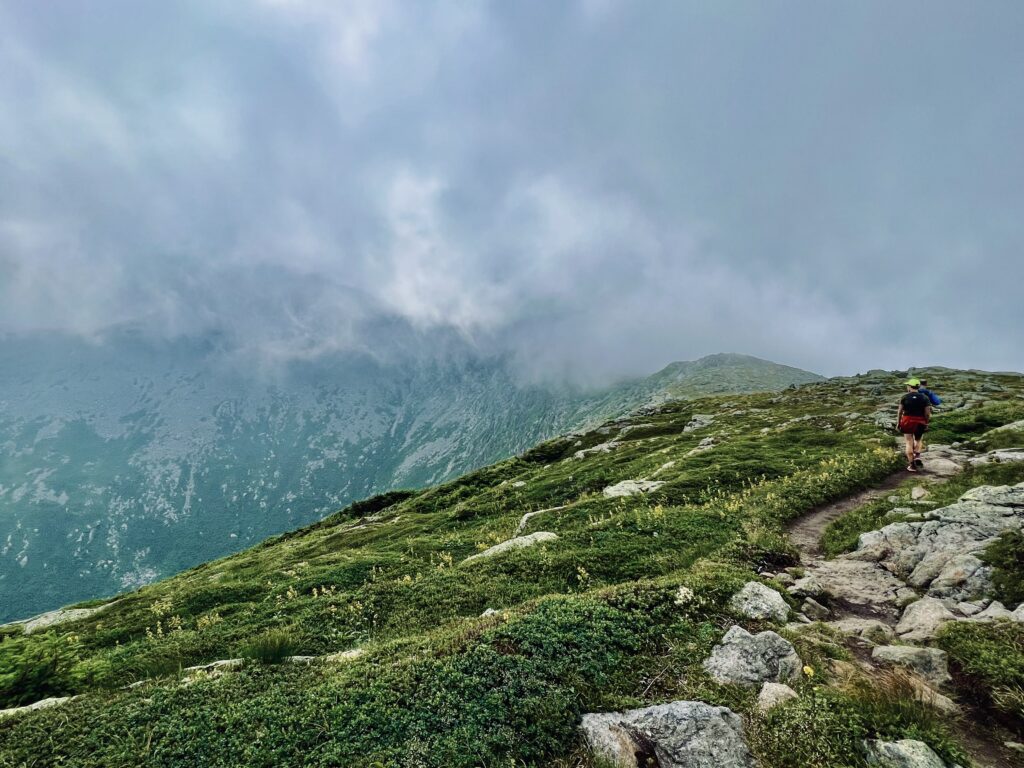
(912, 420)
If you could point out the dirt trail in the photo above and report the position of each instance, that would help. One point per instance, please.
(806, 532)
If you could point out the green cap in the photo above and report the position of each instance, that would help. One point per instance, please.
(913, 382)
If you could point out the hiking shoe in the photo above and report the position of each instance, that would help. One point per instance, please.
(911, 468)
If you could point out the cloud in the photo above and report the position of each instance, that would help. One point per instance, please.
(596, 187)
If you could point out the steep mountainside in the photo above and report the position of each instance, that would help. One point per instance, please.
(475, 622)
(126, 461)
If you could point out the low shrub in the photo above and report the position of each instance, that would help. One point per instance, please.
(1006, 556)
(991, 659)
(36, 667)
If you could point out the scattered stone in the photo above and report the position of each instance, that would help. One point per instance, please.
(900, 511)
(221, 665)
(488, 612)
(519, 484)
(853, 581)
(632, 487)
(872, 630)
(906, 753)
(918, 492)
(1018, 613)
(970, 609)
(922, 620)
(750, 660)
(756, 601)
(519, 542)
(815, 610)
(682, 734)
(929, 663)
(774, 694)
(925, 694)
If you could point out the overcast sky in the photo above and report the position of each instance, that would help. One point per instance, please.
(598, 186)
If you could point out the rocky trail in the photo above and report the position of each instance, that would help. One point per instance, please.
(905, 581)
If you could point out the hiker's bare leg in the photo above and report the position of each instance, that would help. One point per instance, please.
(909, 448)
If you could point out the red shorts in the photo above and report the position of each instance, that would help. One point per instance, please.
(913, 425)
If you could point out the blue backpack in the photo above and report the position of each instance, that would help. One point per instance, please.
(936, 400)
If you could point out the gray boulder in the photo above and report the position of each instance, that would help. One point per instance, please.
(814, 610)
(905, 753)
(923, 619)
(517, 543)
(929, 663)
(750, 660)
(632, 487)
(682, 734)
(756, 601)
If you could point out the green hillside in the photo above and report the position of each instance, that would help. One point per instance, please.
(456, 660)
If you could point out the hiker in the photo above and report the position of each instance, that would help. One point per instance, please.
(912, 420)
(923, 389)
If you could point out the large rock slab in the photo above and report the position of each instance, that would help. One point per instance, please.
(54, 701)
(872, 630)
(929, 663)
(518, 542)
(750, 660)
(922, 620)
(756, 601)
(1002, 455)
(57, 617)
(906, 753)
(632, 487)
(682, 734)
(853, 581)
(939, 555)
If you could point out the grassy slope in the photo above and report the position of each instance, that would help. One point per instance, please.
(588, 622)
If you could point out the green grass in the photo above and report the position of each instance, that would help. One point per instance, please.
(991, 659)
(588, 622)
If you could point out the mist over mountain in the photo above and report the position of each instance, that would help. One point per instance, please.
(130, 459)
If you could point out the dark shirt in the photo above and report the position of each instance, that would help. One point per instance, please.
(915, 404)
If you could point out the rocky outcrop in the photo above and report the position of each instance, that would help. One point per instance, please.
(682, 734)
(871, 630)
(59, 616)
(939, 555)
(516, 543)
(632, 487)
(756, 601)
(906, 753)
(929, 663)
(1002, 455)
(750, 660)
(853, 581)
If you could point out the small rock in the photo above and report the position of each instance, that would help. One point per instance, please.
(900, 511)
(756, 601)
(517, 543)
(488, 612)
(872, 630)
(54, 701)
(918, 492)
(751, 660)
(922, 620)
(929, 663)
(682, 734)
(785, 579)
(774, 694)
(631, 488)
(969, 609)
(341, 656)
(906, 753)
(815, 610)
